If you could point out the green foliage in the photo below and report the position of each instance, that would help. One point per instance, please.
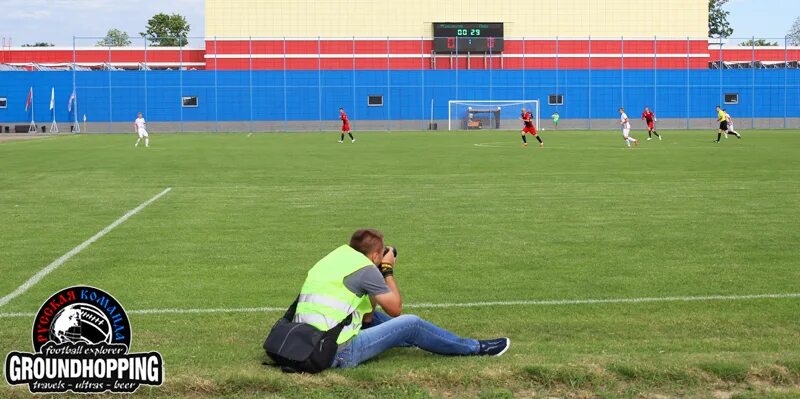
(718, 25)
(757, 42)
(793, 36)
(165, 30)
(114, 38)
(38, 44)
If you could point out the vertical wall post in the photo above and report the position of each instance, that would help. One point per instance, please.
(688, 83)
(180, 81)
(77, 126)
(145, 79)
(110, 95)
(558, 81)
(590, 82)
(216, 87)
(285, 107)
(785, 80)
(388, 86)
(250, 87)
(655, 73)
(354, 81)
(622, 71)
(422, 80)
(753, 83)
(523, 68)
(319, 81)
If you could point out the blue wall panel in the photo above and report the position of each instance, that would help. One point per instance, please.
(316, 95)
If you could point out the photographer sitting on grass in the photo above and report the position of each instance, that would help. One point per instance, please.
(351, 280)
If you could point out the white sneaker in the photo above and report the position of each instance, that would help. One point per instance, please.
(659, 138)
(649, 138)
(353, 140)
(340, 141)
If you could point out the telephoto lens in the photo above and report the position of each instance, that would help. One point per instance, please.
(386, 251)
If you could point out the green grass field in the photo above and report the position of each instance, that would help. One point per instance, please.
(476, 219)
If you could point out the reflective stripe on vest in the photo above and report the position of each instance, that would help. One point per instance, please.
(326, 301)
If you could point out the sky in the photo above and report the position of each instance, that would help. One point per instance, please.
(57, 21)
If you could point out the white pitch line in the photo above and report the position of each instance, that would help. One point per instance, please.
(74, 251)
(556, 302)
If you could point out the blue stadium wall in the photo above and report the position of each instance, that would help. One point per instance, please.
(116, 96)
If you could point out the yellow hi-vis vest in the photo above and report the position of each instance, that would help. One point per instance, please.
(324, 299)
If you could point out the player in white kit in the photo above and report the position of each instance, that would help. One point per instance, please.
(141, 128)
(626, 128)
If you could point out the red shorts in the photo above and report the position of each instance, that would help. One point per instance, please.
(651, 125)
(346, 127)
(529, 130)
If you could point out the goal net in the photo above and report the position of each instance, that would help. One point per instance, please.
(489, 114)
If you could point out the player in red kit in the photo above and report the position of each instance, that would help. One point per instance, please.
(650, 118)
(528, 128)
(345, 127)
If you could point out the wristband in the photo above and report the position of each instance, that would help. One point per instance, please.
(386, 269)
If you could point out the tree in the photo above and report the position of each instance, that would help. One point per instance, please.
(794, 33)
(167, 30)
(114, 38)
(718, 25)
(757, 42)
(39, 44)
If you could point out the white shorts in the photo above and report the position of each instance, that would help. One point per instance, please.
(626, 132)
(143, 133)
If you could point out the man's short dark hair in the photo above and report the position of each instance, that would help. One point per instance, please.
(367, 241)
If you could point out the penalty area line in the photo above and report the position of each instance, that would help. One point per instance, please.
(555, 302)
(74, 251)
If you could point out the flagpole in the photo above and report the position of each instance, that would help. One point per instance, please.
(32, 127)
(54, 125)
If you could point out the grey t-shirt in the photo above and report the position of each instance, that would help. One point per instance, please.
(366, 281)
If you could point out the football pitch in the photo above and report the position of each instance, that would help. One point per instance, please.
(668, 269)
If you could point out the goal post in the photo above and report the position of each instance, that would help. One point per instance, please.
(489, 114)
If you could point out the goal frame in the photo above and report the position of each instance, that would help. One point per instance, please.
(450, 104)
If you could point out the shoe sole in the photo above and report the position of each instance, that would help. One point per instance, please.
(508, 345)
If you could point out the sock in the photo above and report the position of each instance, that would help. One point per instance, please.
(147, 142)
(351, 135)
(342, 139)
(719, 136)
(540, 140)
(627, 142)
(137, 142)
(656, 133)
(524, 139)
(649, 133)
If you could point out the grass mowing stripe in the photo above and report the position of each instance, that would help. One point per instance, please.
(553, 302)
(74, 251)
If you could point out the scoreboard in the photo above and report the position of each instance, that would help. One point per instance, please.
(467, 37)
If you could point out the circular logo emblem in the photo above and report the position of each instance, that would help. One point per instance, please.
(81, 314)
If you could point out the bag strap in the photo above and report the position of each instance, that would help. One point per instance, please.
(289, 315)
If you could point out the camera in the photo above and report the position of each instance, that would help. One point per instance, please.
(387, 249)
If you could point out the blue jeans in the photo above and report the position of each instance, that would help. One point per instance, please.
(385, 332)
